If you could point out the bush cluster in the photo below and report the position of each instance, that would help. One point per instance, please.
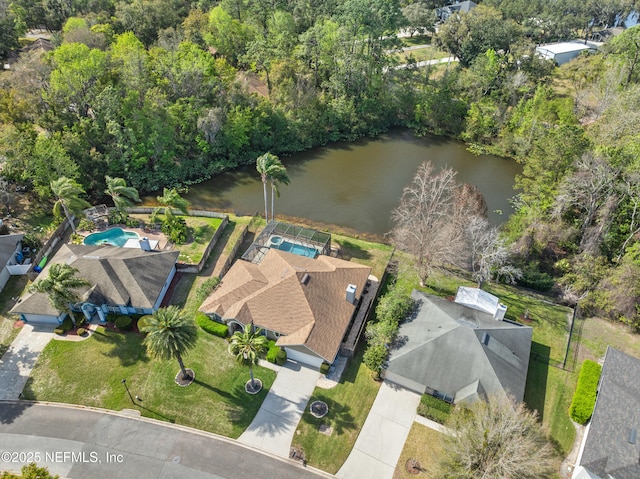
(175, 228)
(206, 288)
(584, 399)
(65, 326)
(211, 326)
(275, 354)
(433, 408)
(143, 321)
(124, 323)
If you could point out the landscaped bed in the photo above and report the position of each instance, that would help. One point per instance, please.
(91, 372)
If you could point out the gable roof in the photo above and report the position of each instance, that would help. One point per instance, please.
(304, 299)
(8, 245)
(117, 276)
(607, 449)
(460, 351)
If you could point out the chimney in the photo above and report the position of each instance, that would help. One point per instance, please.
(351, 293)
(144, 244)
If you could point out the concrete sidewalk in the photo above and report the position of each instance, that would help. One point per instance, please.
(383, 434)
(275, 424)
(18, 361)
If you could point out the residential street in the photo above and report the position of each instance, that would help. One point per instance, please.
(83, 443)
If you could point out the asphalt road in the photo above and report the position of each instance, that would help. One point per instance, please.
(84, 443)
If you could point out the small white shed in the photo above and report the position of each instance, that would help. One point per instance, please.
(481, 300)
(563, 52)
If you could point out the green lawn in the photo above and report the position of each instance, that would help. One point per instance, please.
(90, 373)
(426, 446)
(364, 252)
(12, 289)
(200, 230)
(416, 40)
(421, 54)
(349, 403)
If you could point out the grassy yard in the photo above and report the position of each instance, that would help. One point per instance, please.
(349, 403)
(425, 445)
(416, 40)
(371, 254)
(200, 230)
(90, 373)
(421, 54)
(12, 289)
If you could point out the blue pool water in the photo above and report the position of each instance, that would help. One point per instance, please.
(112, 236)
(308, 251)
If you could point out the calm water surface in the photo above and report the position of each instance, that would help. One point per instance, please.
(356, 185)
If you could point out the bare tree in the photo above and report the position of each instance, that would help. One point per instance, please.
(488, 254)
(7, 195)
(495, 439)
(586, 191)
(427, 221)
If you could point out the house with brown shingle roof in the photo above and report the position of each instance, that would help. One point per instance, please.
(305, 303)
(121, 280)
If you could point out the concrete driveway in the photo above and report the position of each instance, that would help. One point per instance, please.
(275, 424)
(383, 434)
(18, 361)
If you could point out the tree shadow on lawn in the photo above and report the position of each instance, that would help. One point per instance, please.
(535, 390)
(339, 416)
(350, 250)
(127, 347)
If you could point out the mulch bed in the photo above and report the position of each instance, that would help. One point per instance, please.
(185, 382)
(254, 388)
(412, 466)
(18, 324)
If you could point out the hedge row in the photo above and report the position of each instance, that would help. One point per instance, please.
(584, 399)
(433, 408)
(211, 326)
(276, 354)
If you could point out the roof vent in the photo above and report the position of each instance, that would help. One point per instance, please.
(351, 293)
(305, 278)
(485, 338)
(633, 435)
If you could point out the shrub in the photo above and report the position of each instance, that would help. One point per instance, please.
(67, 325)
(143, 321)
(175, 228)
(433, 408)
(324, 368)
(124, 323)
(118, 217)
(281, 358)
(86, 224)
(131, 222)
(374, 357)
(584, 399)
(534, 279)
(59, 331)
(211, 326)
(4, 229)
(81, 331)
(273, 352)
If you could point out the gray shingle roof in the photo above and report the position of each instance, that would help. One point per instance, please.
(117, 276)
(443, 347)
(8, 245)
(607, 450)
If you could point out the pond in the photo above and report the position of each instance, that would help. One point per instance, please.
(357, 185)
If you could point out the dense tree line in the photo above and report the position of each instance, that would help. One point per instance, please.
(162, 93)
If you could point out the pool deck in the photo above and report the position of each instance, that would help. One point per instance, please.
(142, 233)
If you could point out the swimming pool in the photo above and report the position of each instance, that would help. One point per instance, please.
(112, 236)
(295, 248)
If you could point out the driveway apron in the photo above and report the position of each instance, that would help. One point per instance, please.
(275, 424)
(19, 359)
(383, 434)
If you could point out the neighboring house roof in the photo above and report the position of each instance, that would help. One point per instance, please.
(460, 351)
(303, 299)
(550, 50)
(611, 447)
(448, 10)
(8, 245)
(117, 276)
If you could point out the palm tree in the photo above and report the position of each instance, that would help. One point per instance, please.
(278, 175)
(67, 193)
(171, 199)
(60, 285)
(122, 195)
(170, 335)
(265, 165)
(246, 346)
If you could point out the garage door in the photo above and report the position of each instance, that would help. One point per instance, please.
(307, 359)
